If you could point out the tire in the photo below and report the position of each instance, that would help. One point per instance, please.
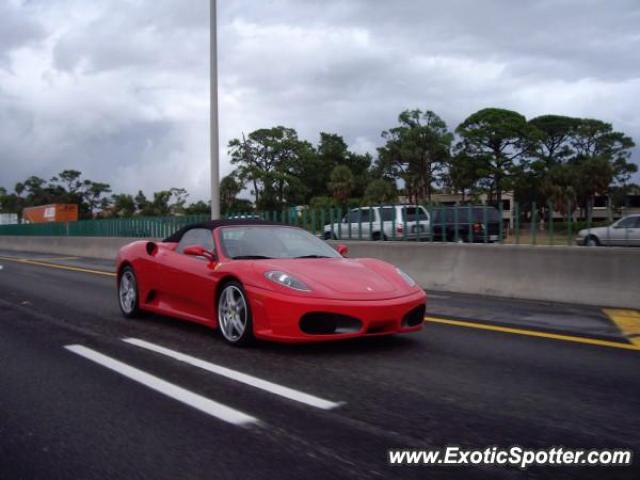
(234, 315)
(128, 298)
(591, 241)
(375, 236)
(329, 236)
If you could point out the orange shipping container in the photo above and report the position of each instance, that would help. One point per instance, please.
(58, 212)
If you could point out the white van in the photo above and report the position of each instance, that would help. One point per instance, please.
(385, 222)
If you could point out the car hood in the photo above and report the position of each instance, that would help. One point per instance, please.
(339, 278)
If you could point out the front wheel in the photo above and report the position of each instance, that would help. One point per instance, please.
(234, 315)
(128, 293)
(592, 241)
(330, 236)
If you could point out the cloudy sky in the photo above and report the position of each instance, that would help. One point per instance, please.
(119, 89)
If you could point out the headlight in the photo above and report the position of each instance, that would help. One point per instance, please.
(410, 281)
(286, 280)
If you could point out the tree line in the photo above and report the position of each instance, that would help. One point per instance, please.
(547, 160)
(95, 199)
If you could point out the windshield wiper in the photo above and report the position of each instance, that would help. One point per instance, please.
(249, 257)
(312, 256)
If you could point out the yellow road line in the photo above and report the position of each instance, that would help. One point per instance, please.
(534, 333)
(54, 259)
(60, 267)
(628, 321)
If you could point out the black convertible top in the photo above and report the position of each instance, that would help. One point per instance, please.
(213, 224)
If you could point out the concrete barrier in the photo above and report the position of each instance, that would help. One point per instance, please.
(94, 247)
(590, 276)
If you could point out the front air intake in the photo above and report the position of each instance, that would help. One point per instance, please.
(322, 323)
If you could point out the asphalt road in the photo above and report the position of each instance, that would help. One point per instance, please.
(63, 415)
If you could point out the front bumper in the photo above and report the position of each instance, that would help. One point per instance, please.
(277, 316)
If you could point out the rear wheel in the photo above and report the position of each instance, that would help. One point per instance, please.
(378, 236)
(234, 314)
(451, 237)
(128, 293)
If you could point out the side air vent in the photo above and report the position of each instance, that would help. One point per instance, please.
(151, 248)
(151, 296)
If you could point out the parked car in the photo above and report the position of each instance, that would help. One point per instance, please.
(384, 222)
(625, 233)
(246, 216)
(470, 223)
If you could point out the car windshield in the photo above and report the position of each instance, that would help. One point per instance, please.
(262, 241)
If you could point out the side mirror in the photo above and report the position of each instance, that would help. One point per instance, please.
(342, 249)
(199, 251)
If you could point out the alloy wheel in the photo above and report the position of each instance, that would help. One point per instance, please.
(232, 313)
(127, 292)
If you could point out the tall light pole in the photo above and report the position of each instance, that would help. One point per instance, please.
(213, 96)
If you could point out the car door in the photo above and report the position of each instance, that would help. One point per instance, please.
(623, 231)
(387, 220)
(634, 233)
(357, 224)
(368, 219)
(418, 221)
(188, 283)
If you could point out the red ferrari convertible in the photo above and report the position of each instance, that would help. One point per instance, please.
(256, 279)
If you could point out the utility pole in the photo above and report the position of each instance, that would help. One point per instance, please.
(213, 97)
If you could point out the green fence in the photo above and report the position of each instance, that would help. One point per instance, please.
(113, 227)
(549, 225)
(401, 223)
(393, 222)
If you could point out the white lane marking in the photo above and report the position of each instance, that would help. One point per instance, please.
(1, 267)
(271, 387)
(183, 395)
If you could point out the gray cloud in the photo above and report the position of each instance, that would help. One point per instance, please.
(119, 89)
(17, 29)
